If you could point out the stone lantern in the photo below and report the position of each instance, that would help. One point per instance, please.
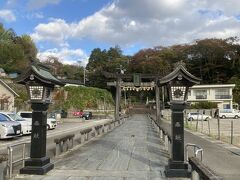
(178, 83)
(40, 84)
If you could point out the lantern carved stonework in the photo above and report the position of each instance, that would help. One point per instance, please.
(40, 84)
(178, 83)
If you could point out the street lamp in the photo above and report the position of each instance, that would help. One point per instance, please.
(40, 84)
(178, 83)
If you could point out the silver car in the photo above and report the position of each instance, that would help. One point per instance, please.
(26, 125)
(9, 128)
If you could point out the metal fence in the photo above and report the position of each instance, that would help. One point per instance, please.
(12, 160)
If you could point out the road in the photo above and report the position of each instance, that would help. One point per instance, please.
(222, 161)
(59, 129)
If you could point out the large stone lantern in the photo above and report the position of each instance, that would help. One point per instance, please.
(178, 83)
(40, 84)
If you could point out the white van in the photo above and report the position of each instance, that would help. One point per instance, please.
(51, 122)
(229, 113)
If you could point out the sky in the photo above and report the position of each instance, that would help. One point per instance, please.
(71, 29)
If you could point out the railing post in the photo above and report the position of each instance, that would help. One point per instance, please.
(160, 133)
(166, 142)
(23, 154)
(232, 132)
(195, 176)
(169, 148)
(10, 162)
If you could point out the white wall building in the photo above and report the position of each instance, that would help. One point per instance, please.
(219, 93)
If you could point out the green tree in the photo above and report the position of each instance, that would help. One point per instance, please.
(29, 48)
(15, 51)
(208, 60)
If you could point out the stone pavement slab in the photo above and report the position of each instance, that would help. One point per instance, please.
(132, 151)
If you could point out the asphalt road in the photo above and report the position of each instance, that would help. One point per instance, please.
(222, 161)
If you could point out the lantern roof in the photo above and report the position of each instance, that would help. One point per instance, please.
(40, 72)
(180, 70)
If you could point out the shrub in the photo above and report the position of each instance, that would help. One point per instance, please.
(204, 105)
(82, 97)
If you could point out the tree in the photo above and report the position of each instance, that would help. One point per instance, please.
(151, 61)
(208, 59)
(15, 51)
(64, 70)
(29, 48)
(104, 60)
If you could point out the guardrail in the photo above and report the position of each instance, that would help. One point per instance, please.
(196, 150)
(200, 171)
(63, 143)
(11, 162)
(164, 131)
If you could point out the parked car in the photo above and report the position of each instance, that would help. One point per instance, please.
(51, 122)
(87, 115)
(229, 113)
(78, 113)
(198, 116)
(9, 128)
(26, 125)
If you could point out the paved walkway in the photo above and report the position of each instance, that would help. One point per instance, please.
(132, 151)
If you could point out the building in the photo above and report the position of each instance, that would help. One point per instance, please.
(71, 82)
(219, 93)
(7, 96)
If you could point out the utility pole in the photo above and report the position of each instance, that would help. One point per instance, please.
(84, 76)
(157, 101)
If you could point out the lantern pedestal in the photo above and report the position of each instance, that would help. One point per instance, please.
(38, 162)
(177, 167)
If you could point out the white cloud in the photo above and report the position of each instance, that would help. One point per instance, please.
(7, 15)
(57, 31)
(11, 2)
(65, 55)
(37, 4)
(35, 15)
(163, 22)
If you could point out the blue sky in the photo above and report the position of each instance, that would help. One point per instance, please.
(71, 29)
